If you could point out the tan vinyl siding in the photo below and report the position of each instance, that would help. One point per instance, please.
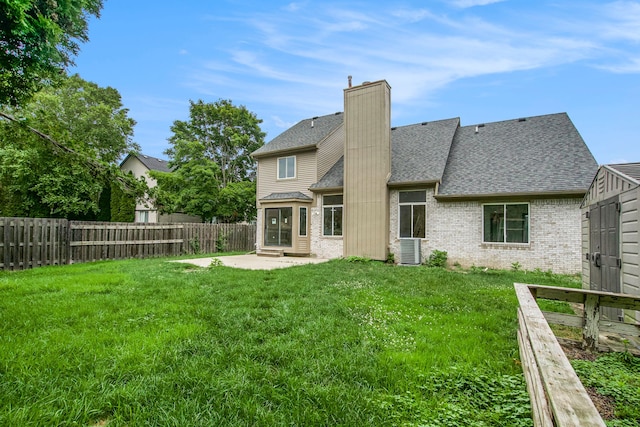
(586, 263)
(367, 166)
(269, 183)
(630, 235)
(330, 151)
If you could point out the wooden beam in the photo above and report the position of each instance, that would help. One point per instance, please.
(568, 399)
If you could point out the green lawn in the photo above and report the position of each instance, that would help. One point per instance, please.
(148, 342)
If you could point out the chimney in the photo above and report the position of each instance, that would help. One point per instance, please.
(367, 167)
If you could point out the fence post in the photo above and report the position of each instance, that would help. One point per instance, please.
(591, 331)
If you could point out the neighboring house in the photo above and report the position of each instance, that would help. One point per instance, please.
(611, 234)
(498, 194)
(140, 165)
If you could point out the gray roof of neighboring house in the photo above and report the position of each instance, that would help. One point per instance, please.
(291, 195)
(419, 152)
(518, 156)
(307, 133)
(152, 163)
(631, 170)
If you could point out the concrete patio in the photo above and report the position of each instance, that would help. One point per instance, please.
(254, 262)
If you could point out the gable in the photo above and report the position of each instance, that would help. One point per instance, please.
(419, 152)
(305, 134)
(534, 155)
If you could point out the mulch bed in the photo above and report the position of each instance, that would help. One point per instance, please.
(604, 404)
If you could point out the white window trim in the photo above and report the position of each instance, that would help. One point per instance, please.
(413, 204)
(295, 168)
(505, 243)
(322, 224)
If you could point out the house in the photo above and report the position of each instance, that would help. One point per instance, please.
(140, 165)
(497, 194)
(610, 234)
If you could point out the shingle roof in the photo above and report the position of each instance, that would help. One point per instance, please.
(631, 170)
(521, 156)
(307, 133)
(419, 152)
(334, 178)
(291, 195)
(539, 154)
(152, 163)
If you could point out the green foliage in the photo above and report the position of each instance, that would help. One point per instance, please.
(38, 42)
(41, 178)
(616, 375)
(516, 266)
(123, 205)
(437, 259)
(150, 342)
(391, 258)
(213, 173)
(221, 242)
(358, 259)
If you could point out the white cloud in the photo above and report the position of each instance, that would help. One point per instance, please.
(471, 3)
(300, 61)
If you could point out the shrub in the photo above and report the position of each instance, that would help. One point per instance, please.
(437, 259)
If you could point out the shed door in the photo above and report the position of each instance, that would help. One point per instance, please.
(604, 220)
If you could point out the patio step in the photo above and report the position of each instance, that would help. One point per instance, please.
(271, 252)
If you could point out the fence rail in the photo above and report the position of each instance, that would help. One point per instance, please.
(557, 395)
(35, 242)
(558, 398)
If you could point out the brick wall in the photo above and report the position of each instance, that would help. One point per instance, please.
(321, 246)
(456, 227)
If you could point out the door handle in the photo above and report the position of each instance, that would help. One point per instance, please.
(596, 259)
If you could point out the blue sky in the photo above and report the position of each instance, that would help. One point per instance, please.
(480, 60)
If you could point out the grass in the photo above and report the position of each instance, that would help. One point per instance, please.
(148, 342)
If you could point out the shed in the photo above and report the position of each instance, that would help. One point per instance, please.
(611, 234)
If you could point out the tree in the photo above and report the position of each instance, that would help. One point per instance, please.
(43, 178)
(212, 168)
(38, 40)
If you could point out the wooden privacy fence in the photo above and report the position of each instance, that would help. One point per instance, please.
(558, 398)
(34, 242)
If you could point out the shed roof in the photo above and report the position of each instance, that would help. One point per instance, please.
(541, 154)
(306, 133)
(629, 170)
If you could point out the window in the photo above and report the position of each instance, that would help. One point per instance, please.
(332, 215)
(506, 223)
(144, 216)
(287, 167)
(412, 211)
(303, 221)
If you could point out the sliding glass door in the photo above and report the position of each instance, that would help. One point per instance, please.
(277, 228)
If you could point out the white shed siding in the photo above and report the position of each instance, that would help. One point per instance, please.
(606, 184)
(456, 227)
(630, 240)
(586, 262)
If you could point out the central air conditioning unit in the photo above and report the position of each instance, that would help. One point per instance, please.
(410, 251)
